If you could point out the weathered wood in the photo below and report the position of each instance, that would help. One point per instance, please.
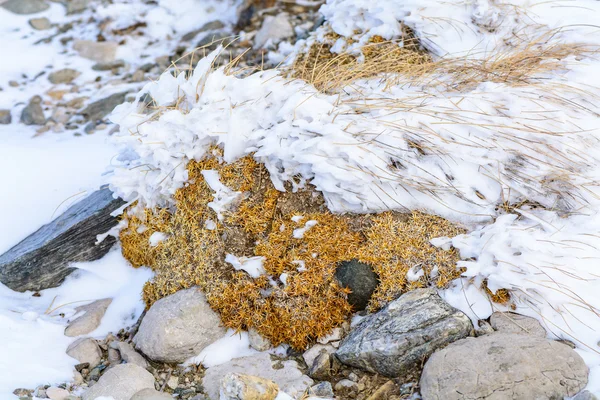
(42, 259)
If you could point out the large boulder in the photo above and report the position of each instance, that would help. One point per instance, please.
(285, 374)
(503, 366)
(121, 382)
(398, 338)
(178, 327)
(42, 260)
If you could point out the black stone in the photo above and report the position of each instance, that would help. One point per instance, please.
(101, 108)
(42, 259)
(360, 279)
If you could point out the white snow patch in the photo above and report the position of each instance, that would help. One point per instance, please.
(232, 345)
(299, 233)
(156, 238)
(252, 265)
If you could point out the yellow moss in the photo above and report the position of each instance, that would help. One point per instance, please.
(306, 302)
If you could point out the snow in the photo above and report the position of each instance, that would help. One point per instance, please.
(252, 265)
(156, 238)
(232, 345)
(223, 196)
(299, 232)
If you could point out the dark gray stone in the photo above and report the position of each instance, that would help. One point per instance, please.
(503, 366)
(24, 7)
(396, 340)
(361, 279)
(33, 114)
(101, 108)
(42, 259)
(109, 66)
(322, 389)
(209, 26)
(585, 395)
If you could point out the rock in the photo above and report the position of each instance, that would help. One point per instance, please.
(360, 279)
(383, 392)
(40, 24)
(173, 382)
(33, 114)
(515, 323)
(5, 117)
(42, 260)
(89, 321)
(76, 6)
(114, 357)
(211, 41)
(54, 393)
(100, 52)
(585, 395)
(101, 108)
(321, 389)
(65, 75)
(321, 367)
(257, 341)
(285, 374)
(346, 389)
(335, 335)
(151, 394)
(311, 354)
(483, 328)
(85, 350)
(121, 382)
(247, 387)
(24, 7)
(395, 340)
(273, 30)
(129, 355)
(178, 326)
(502, 366)
(109, 66)
(209, 26)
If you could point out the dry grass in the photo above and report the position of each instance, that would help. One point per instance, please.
(310, 303)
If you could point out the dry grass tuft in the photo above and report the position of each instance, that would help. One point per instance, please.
(306, 302)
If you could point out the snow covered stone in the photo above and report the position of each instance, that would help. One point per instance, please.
(178, 327)
(42, 259)
(90, 320)
(85, 350)
(515, 323)
(247, 387)
(504, 365)
(273, 30)
(395, 340)
(121, 382)
(284, 373)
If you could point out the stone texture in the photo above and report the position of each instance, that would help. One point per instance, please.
(585, 395)
(85, 350)
(311, 354)
(76, 6)
(273, 30)
(121, 382)
(178, 327)
(100, 52)
(346, 389)
(151, 394)
(90, 320)
(101, 108)
(109, 65)
(42, 260)
(247, 387)
(33, 114)
(321, 367)
(5, 117)
(285, 374)
(360, 279)
(322, 389)
(24, 7)
(65, 75)
(54, 393)
(503, 366)
(40, 24)
(209, 26)
(395, 340)
(257, 341)
(129, 355)
(508, 322)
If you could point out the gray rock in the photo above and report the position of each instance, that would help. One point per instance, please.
(585, 395)
(5, 117)
(85, 350)
(508, 322)
(65, 75)
(395, 340)
(322, 389)
(151, 394)
(209, 26)
(247, 387)
(54, 393)
(257, 341)
(321, 367)
(90, 320)
(109, 66)
(503, 366)
(33, 114)
(346, 389)
(101, 108)
(42, 260)
(212, 40)
(285, 374)
(273, 30)
(100, 52)
(121, 382)
(40, 24)
(24, 7)
(311, 354)
(483, 328)
(76, 6)
(129, 355)
(360, 279)
(178, 326)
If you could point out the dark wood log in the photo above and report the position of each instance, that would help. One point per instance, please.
(42, 260)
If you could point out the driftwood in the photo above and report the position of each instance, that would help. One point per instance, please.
(42, 260)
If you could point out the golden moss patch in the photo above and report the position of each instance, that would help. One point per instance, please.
(298, 299)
